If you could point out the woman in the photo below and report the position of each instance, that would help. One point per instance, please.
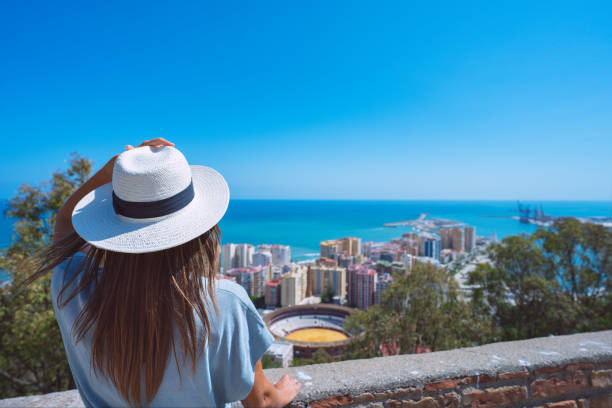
(143, 319)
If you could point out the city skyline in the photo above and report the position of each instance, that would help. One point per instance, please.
(320, 101)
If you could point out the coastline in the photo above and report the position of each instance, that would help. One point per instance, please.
(303, 224)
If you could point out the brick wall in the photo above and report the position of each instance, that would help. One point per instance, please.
(572, 371)
(576, 385)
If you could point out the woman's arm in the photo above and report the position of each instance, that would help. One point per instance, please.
(63, 222)
(266, 394)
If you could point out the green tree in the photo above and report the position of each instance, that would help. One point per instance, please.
(259, 301)
(423, 308)
(556, 281)
(579, 257)
(269, 362)
(319, 356)
(328, 294)
(32, 356)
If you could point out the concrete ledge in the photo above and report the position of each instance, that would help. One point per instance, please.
(415, 370)
(533, 371)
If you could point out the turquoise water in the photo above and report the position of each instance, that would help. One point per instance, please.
(302, 224)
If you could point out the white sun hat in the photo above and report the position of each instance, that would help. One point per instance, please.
(155, 201)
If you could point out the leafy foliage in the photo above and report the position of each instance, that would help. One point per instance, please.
(259, 301)
(556, 281)
(424, 308)
(318, 357)
(268, 362)
(32, 356)
(328, 294)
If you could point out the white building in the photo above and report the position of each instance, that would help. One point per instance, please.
(236, 256)
(470, 238)
(281, 352)
(228, 253)
(293, 286)
(281, 254)
(244, 255)
(262, 258)
(382, 283)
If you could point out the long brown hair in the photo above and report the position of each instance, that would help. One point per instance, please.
(136, 303)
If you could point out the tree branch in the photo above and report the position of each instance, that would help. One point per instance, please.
(18, 381)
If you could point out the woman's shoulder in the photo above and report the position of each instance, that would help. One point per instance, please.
(66, 271)
(229, 290)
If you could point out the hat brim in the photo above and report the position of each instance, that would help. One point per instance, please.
(95, 220)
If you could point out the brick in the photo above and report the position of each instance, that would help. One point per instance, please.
(562, 404)
(513, 376)
(604, 364)
(602, 378)
(449, 400)
(382, 395)
(335, 401)
(406, 392)
(494, 397)
(554, 386)
(548, 370)
(365, 397)
(605, 401)
(579, 366)
(427, 402)
(478, 379)
(441, 385)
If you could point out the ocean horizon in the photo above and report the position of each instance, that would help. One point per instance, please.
(303, 224)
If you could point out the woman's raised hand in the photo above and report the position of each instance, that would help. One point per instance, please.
(157, 142)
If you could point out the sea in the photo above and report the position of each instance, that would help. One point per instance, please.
(303, 224)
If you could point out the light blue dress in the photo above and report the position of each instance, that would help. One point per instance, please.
(225, 369)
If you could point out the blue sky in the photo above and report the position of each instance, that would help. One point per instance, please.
(329, 99)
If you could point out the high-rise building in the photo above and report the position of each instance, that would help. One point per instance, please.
(445, 238)
(326, 262)
(347, 246)
(352, 246)
(236, 256)
(244, 255)
(281, 254)
(470, 238)
(328, 249)
(351, 284)
(408, 261)
(382, 284)
(366, 285)
(432, 248)
(422, 239)
(262, 258)
(293, 286)
(457, 239)
(252, 278)
(319, 277)
(272, 293)
(228, 253)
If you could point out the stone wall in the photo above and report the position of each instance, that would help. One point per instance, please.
(563, 371)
